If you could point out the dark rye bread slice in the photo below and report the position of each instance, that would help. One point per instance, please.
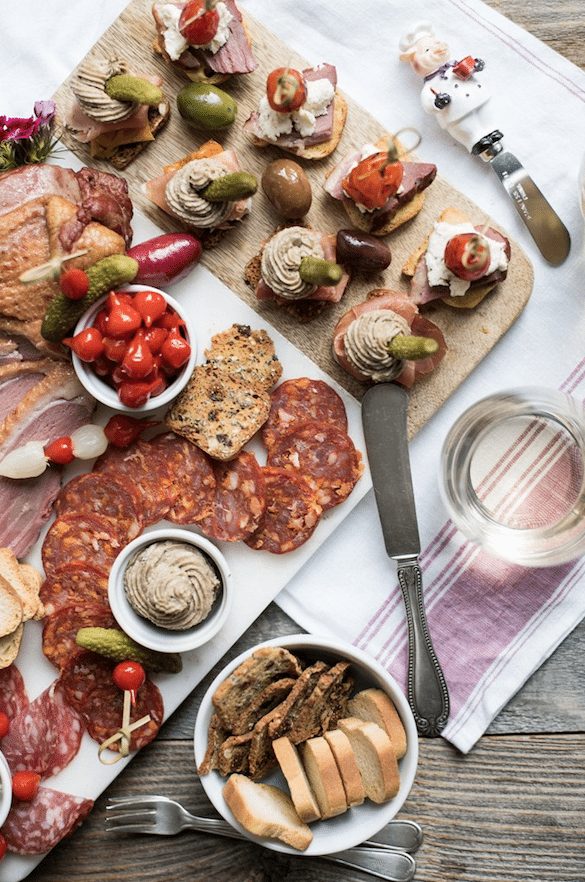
(248, 681)
(246, 354)
(216, 735)
(233, 755)
(270, 697)
(274, 724)
(326, 703)
(158, 117)
(217, 412)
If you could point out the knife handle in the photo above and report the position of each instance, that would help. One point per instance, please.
(428, 695)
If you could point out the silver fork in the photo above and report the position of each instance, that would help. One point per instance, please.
(162, 816)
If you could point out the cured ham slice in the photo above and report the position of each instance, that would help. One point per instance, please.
(235, 56)
(403, 306)
(45, 736)
(420, 290)
(36, 827)
(33, 181)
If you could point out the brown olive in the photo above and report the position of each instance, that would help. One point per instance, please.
(362, 251)
(287, 187)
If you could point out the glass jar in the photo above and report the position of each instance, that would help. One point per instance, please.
(513, 476)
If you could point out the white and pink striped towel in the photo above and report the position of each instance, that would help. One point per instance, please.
(493, 624)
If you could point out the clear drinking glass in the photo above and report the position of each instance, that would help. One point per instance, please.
(513, 476)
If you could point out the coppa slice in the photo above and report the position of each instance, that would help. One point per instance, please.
(74, 583)
(102, 712)
(103, 495)
(291, 514)
(13, 697)
(36, 827)
(195, 480)
(45, 736)
(60, 629)
(324, 454)
(300, 401)
(240, 499)
(82, 539)
(144, 465)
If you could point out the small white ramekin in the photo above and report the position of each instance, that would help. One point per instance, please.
(104, 393)
(6, 789)
(145, 632)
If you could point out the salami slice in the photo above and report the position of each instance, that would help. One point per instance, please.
(193, 473)
(322, 453)
(291, 513)
(74, 583)
(300, 401)
(45, 736)
(81, 675)
(103, 709)
(36, 827)
(145, 466)
(239, 499)
(60, 628)
(103, 495)
(82, 539)
(13, 697)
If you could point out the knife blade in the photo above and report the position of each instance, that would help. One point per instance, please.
(384, 411)
(543, 223)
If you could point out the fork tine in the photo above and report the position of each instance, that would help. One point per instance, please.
(131, 817)
(131, 807)
(130, 828)
(127, 800)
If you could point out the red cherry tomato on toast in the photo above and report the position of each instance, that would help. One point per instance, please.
(25, 785)
(285, 89)
(199, 22)
(374, 180)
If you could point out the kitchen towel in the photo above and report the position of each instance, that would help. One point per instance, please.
(493, 624)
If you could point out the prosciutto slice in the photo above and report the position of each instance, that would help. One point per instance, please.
(420, 290)
(383, 298)
(330, 293)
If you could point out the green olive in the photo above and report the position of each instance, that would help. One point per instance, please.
(206, 107)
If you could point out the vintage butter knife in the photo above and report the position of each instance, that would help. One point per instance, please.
(384, 409)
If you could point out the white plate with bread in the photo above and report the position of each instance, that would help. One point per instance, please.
(315, 742)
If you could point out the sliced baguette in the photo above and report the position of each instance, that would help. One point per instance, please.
(12, 573)
(348, 768)
(33, 581)
(375, 758)
(375, 706)
(324, 777)
(264, 810)
(296, 778)
(10, 608)
(9, 646)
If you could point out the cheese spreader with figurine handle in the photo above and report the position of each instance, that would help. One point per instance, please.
(384, 408)
(456, 94)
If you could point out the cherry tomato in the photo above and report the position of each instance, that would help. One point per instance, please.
(25, 785)
(175, 350)
(151, 305)
(4, 724)
(136, 393)
(115, 349)
(468, 256)
(123, 320)
(137, 362)
(60, 451)
(101, 322)
(129, 676)
(3, 846)
(87, 345)
(285, 89)
(374, 180)
(74, 283)
(155, 337)
(199, 22)
(170, 321)
(122, 430)
(118, 298)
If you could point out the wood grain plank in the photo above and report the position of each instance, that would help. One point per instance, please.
(560, 23)
(471, 334)
(513, 811)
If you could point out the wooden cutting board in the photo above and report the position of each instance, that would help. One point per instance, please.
(470, 334)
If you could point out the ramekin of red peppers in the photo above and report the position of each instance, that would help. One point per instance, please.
(134, 350)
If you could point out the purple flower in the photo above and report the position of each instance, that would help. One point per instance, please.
(45, 112)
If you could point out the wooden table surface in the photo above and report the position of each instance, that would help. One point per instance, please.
(513, 809)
